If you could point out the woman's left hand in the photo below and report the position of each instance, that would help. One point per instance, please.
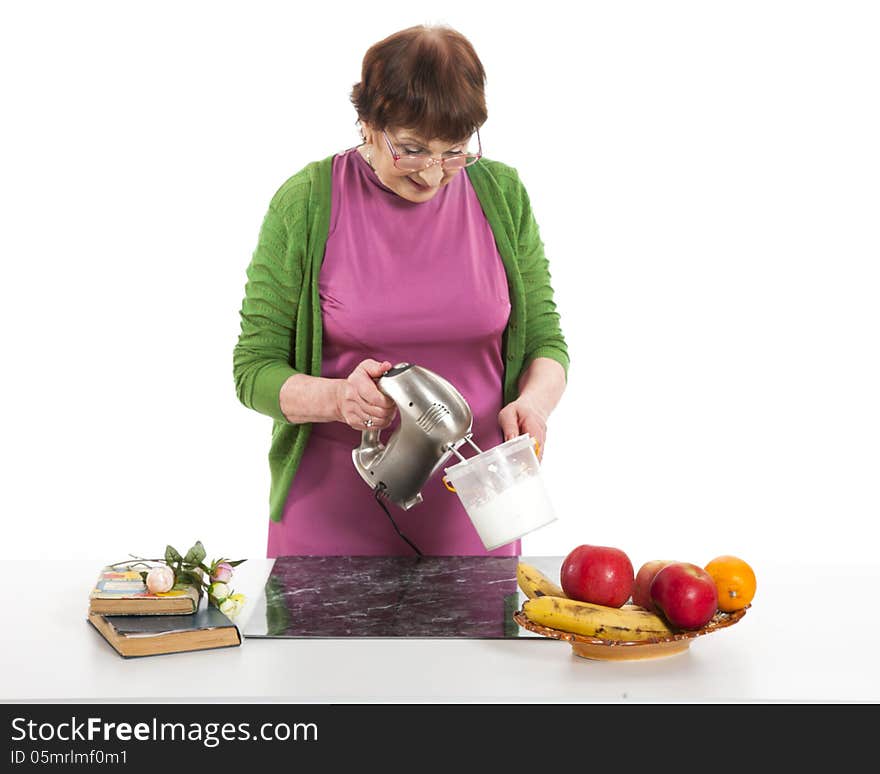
(523, 416)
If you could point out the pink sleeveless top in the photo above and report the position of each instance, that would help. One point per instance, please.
(421, 283)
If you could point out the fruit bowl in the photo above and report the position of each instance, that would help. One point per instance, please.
(630, 650)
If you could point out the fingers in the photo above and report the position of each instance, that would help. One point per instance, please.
(537, 432)
(371, 396)
(364, 379)
(364, 404)
(509, 422)
(515, 420)
(359, 414)
(375, 404)
(376, 417)
(373, 368)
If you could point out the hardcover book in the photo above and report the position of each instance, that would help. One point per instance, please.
(151, 635)
(123, 592)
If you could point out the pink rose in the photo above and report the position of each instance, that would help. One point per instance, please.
(160, 579)
(222, 573)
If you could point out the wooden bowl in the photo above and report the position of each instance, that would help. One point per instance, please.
(631, 650)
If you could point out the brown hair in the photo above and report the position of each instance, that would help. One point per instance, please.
(428, 79)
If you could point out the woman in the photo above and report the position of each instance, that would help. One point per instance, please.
(407, 248)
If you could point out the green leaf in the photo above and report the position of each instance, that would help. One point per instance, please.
(236, 562)
(195, 555)
(171, 555)
(189, 578)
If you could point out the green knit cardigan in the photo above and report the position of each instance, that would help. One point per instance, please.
(281, 326)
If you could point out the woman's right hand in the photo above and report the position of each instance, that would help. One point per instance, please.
(359, 402)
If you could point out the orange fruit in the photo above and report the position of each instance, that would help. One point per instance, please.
(735, 581)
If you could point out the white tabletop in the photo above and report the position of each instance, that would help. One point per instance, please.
(808, 637)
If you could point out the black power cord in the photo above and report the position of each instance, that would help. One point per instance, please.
(379, 492)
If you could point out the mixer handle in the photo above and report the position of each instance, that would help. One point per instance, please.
(371, 447)
(370, 438)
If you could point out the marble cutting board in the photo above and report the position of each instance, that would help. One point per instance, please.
(392, 596)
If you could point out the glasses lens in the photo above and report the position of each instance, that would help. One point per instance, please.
(457, 162)
(412, 163)
(418, 163)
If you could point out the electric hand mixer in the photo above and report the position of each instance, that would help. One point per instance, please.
(501, 488)
(435, 420)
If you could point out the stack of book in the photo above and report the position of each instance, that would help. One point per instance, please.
(137, 623)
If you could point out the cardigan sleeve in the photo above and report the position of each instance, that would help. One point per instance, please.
(263, 354)
(544, 337)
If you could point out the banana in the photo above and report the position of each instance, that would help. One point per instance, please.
(607, 623)
(534, 583)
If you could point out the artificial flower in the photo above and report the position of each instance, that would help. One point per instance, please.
(221, 572)
(231, 606)
(160, 579)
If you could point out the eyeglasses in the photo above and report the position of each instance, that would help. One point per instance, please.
(415, 162)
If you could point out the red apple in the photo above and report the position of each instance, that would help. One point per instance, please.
(641, 594)
(599, 574)
(685, 595)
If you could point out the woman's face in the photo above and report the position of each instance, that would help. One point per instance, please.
(418, 186)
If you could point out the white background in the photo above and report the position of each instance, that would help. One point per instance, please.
(705, 176)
